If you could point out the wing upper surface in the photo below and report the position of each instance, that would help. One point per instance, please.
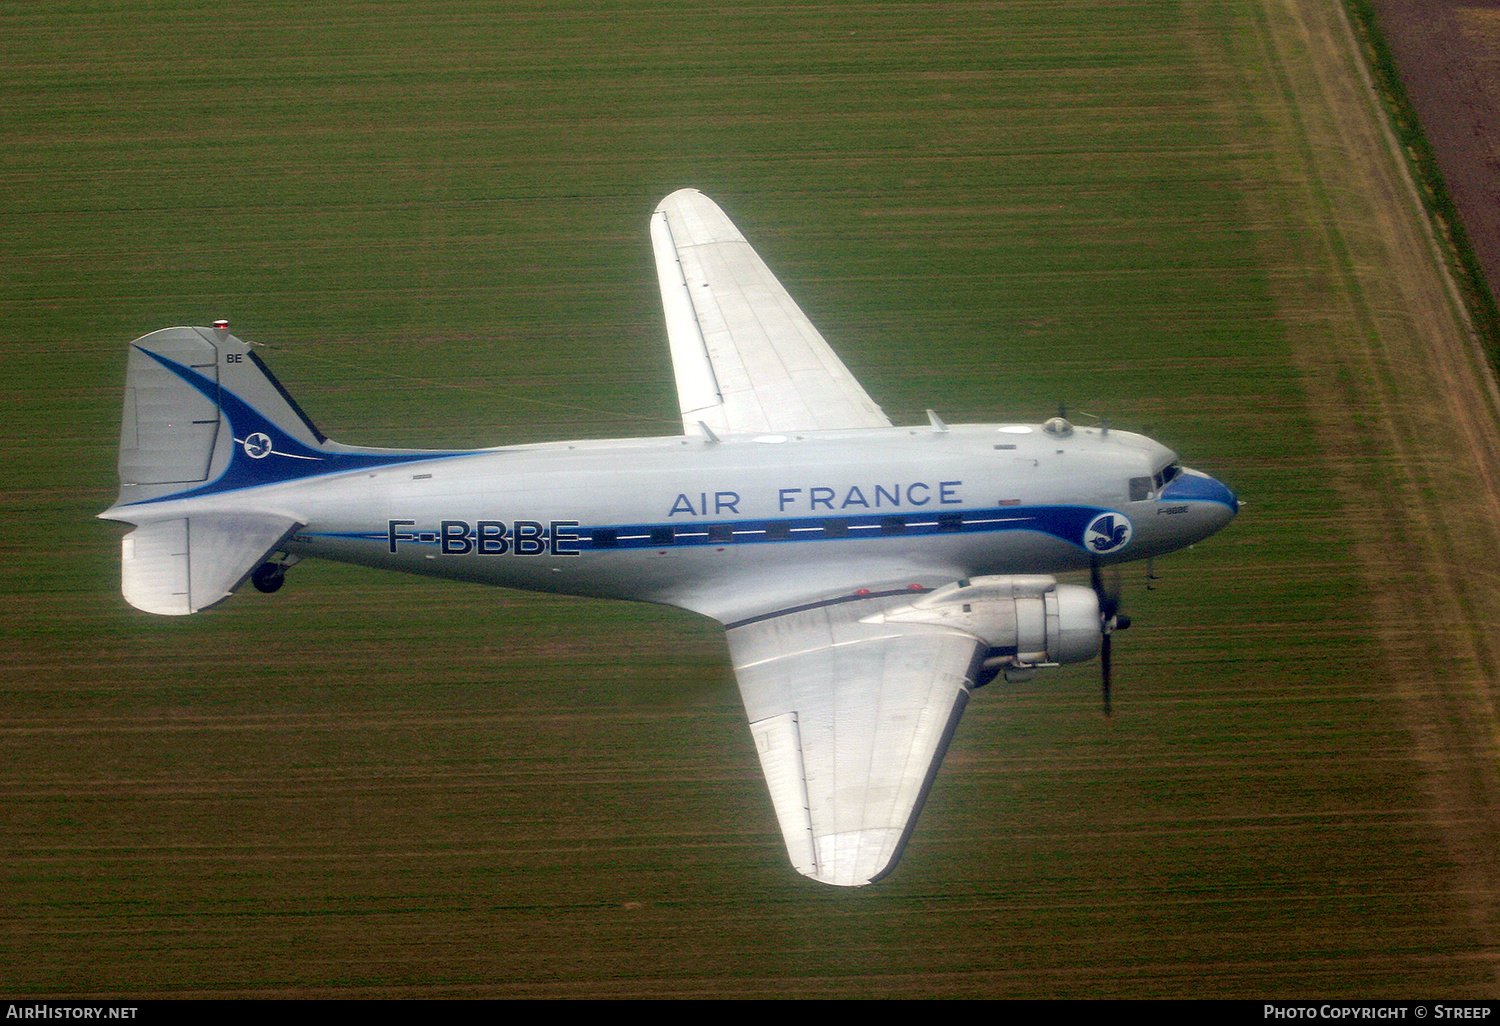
(851, 721)
(745, 356)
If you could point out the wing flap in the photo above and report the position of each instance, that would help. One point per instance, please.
(179, 566)
(746, 357)
(851, 721)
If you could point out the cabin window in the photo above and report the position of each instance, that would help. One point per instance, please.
(721, 533)
(950, 521)
(661, 536)
(892, 525)
(835, 528)
(605, 539)
(779, 531)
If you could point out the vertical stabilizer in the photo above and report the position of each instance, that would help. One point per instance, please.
(199, 402)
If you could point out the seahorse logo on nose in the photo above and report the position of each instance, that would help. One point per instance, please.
(1107, 532)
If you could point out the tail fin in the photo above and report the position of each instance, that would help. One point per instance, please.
(200, 407)
(202, 414)
(204, 417)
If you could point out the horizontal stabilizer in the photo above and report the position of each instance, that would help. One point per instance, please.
(175, 567)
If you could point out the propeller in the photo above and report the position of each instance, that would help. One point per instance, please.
(1110, 620)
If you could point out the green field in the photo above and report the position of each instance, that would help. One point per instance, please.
(436, 217)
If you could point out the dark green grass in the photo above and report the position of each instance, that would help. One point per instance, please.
(438, 220)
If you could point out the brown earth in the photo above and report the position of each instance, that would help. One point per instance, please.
(1448, 54)
(1402, 398)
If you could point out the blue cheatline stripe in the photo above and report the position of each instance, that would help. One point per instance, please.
(1065, 522)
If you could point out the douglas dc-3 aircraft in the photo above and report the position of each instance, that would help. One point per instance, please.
(869, 576)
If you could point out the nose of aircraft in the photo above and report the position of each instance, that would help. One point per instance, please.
(1211, 495)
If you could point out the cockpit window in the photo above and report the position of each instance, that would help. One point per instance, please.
(1142, 488)
(1166, 474)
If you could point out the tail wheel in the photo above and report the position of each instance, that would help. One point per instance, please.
(268, 577)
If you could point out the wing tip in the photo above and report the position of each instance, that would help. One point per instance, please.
(680, 196)
(856, 858)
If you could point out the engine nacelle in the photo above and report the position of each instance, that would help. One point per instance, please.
(1027, 621)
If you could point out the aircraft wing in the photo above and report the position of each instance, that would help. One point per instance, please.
(851, 721)
(746, 358)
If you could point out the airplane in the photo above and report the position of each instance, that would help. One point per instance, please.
(868, 576)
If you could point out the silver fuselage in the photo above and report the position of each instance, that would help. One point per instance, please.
(736, 526)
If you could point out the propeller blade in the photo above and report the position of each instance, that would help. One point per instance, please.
(1110, 620)
(1104, 665)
